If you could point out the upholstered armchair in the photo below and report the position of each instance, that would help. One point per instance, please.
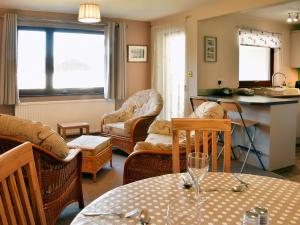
(153, 157)
(130, 123)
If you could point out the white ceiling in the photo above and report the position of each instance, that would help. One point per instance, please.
(277, 12)
(128, 9)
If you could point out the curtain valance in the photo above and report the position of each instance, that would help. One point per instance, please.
(259, 38)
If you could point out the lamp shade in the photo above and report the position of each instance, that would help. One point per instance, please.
(89, 13)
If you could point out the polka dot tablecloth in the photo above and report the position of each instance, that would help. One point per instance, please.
(281, 197)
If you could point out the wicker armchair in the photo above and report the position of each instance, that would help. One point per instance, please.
(130, 123)
(60, 179)
(153, 157)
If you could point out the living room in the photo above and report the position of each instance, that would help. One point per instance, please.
(107, 93)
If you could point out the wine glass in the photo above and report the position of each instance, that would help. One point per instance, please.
(197, 168)
(182, 211)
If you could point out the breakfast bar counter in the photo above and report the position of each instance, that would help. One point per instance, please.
(276, 133)
(257, 99)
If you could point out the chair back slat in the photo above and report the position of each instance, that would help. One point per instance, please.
(205, 142)
(175, 152)
(8, 203)
(24, 197)
(214, 151)
(3, 218)
(197, 141)
(188, 142)
(207, 129)
(15, 196)
(227, 151)
(20, 196)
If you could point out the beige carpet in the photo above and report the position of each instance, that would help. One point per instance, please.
(109, 178)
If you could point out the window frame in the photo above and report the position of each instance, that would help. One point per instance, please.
(49, 90)
(260, 83)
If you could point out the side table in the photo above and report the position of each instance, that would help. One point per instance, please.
(63, 127)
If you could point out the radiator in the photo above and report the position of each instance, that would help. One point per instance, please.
(53, 112)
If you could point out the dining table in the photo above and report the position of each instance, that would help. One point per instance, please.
(222, 206)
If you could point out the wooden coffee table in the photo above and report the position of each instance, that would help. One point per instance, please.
(96, 151)
(63, 127)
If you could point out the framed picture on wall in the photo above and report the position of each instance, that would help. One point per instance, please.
(210, 49)
(137, 53)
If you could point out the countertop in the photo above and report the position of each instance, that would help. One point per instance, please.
(253, 100)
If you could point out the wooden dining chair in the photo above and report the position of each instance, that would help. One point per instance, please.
(20, 196)
(208, 129)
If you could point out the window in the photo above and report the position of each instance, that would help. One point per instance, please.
(60, 62)
(255, 66)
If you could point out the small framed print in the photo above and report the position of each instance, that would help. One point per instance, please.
(210, 49)
(137, 53)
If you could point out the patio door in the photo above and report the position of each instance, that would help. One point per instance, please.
(168, 71)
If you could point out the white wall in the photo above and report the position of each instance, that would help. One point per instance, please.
(208, 10)
(226, 68)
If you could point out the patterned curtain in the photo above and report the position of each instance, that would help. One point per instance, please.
(259, 38)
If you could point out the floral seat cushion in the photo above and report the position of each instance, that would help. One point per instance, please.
(34, 132)
(116, 129)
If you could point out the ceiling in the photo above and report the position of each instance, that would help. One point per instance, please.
(277, 12)
(128, 9)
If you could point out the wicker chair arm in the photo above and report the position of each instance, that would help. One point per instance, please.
(144, 164)
(72, 154)
(140, 127)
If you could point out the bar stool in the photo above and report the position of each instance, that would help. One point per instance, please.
(234, 107)
(196, 101)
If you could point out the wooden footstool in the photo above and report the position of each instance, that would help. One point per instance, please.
(97, 150)
(63, 127)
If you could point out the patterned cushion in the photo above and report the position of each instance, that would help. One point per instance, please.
(35, 132)
(160, 127)
(208, 110)
(117, 129)
(144, 103)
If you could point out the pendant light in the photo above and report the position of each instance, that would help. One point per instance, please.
(89, 13)
(289, 19)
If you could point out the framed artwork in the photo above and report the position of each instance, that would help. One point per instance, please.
(210, 49)
(137, 53)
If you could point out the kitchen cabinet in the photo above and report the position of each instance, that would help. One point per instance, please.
(295, 49)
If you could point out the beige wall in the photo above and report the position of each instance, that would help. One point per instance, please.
(209, 10)
(138, 74)
(138, 33)
(227, 66)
